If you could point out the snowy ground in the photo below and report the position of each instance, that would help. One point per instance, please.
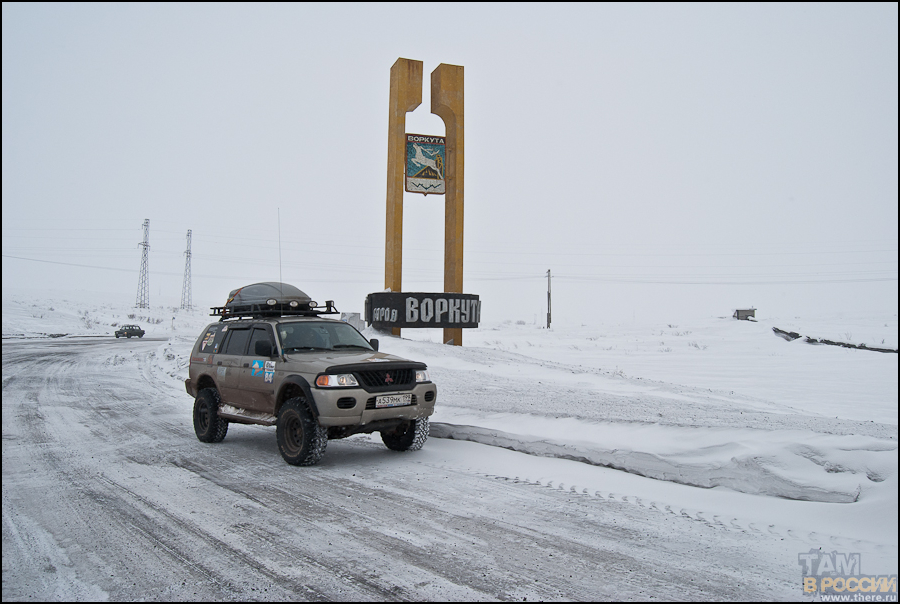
(714, 403)
(717, 420)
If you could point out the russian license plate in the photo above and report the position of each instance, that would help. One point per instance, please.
(393, 400)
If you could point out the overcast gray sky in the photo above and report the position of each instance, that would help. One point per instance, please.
(662, 161)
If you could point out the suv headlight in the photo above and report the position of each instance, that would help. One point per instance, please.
(336, 381)
(421, 375)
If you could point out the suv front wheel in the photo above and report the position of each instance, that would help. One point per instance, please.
(408, 436)
(301, 440)
(209, 427)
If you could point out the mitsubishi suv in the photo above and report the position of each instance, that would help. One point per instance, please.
(273, 359)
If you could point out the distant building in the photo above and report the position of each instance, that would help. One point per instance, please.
(353, 319)
(745, 315)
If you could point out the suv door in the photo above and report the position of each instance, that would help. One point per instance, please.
(258, 372)
(228, 364)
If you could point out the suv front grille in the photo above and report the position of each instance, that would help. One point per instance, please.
(387, 379)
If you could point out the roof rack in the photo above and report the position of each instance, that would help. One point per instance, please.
(276, 309)
(270, 299)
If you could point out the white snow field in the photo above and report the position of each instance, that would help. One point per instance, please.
(716, 420)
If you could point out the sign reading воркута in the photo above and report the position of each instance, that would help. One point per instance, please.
(385, 310)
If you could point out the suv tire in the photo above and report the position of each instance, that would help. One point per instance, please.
(301, 440)
(408, 436)
(209, 427)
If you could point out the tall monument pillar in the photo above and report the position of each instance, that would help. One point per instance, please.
(431, 165)
(406, 95)
(447, 103)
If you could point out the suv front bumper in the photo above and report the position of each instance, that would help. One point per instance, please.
(334, 406)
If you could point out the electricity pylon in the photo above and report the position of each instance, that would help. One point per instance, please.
(143, 293)
(186, 287)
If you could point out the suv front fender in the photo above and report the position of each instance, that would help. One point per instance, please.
(289, 387)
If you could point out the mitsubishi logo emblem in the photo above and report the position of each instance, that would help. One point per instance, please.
(387, 378)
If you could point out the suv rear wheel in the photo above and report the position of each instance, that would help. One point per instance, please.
(301, 440)
(209, 427)
(408, 436)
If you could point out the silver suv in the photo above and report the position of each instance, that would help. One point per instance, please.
(272, 359)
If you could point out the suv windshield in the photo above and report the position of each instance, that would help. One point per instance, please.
(299, 336)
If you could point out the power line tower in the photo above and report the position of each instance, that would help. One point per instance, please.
(143, 293)
(186, 287)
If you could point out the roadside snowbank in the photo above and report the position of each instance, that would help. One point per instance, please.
(792, 464)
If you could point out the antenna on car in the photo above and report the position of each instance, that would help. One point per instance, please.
(279, 251)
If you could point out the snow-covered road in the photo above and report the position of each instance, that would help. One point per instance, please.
(107, 494)
(696, 460)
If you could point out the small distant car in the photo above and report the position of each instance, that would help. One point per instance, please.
(126, 331)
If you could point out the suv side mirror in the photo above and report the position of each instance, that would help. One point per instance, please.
(374, 343)
(263, 348)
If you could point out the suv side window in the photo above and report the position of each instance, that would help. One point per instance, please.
(260, 334)
(212, 339)
(237, 341)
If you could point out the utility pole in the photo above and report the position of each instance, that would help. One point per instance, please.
(143, 293)
(548, 298)
(186, 287)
